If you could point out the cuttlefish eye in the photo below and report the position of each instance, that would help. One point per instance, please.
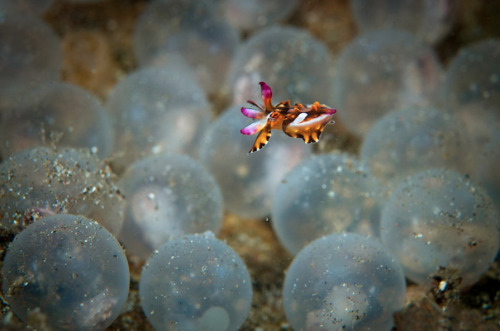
(274, 116)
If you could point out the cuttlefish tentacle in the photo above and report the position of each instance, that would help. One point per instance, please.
(267, 95)
(255, 127)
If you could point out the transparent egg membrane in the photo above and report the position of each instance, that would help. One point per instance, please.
(428, 20)
(167, 196)
(56, 114)
(254, 14)
(195, 282)
(155, 111)
(404, 142)
(198, 36)
(44, 181)
(439, 218)
(30, 55)
(65, 272)
(325, 194)
(290, 60)
(383, 71)
(472, 93)
(343, 282)
(30, 7)
(486, 169)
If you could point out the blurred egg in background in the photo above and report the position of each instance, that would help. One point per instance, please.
(129, 199)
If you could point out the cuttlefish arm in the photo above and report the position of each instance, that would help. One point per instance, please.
(261, 110)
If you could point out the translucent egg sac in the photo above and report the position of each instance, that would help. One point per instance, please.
(157, 110)
(167, 196)
(428, 20)
(325, 194)
(383, 71)
(343, 282)
(248, 182)
(404, 142)
(65, 272)
(254, 14)
(162, 19)
(472, 92)
(45, 181)
(56, 113)
(438, 218)
(486, 169)
(297, 66)
(195, 282)
(190, 30)
(30, 55)
(30, 7)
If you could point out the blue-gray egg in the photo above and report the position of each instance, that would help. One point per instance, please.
(429, 21)
(45, 181)
(65, 272)
(382, 71)
(254, 14)
(343, 282)
(406, 141)
(59, 114)
(472, 93)
(30, 55)
(291, 60)
(197, 35)
(195, 282)
(325, 194)
(439, 218)
(156, 110)
(167, 196)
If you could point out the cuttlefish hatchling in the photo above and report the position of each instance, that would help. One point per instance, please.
(297, 121)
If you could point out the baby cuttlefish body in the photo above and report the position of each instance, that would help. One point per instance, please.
(297, 121)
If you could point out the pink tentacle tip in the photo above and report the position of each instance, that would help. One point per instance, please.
(254, 127)
(267, 93)
(252, 113)
(247, 131)
(331, 111)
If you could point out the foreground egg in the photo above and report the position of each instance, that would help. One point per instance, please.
(167, 196)
(325, 194)
(195, 282)
(65, 272)
(439, 219)
(343, 282)
(45, 181)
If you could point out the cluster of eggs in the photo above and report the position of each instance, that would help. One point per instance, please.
(415, 198)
